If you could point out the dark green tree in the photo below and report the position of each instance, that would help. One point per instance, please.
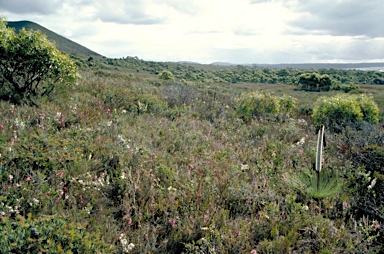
(315, 82)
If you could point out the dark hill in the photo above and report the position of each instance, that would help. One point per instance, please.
(63, 44)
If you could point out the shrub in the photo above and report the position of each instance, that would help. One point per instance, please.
(48, 235)
(287, 104)
(166, 75)
(263, 104)
(341, 110)
(30, 65)
(346, 88)
(315, 82)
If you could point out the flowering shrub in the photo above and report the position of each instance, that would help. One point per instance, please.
(341, 110)
(257, 104)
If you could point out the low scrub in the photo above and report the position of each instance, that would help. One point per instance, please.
(256, 105)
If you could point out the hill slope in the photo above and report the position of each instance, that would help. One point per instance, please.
(63, 44)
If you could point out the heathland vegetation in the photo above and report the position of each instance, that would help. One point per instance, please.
(132, 156)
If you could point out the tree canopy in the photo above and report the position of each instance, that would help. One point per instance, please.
(30, 65)
(315, 82)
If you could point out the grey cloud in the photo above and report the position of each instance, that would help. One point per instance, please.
(259, 1)
(185, 6)
(348, 17)
(129, 18)
(357, 50)
(126, 12)
(244, 32)
(28, 6)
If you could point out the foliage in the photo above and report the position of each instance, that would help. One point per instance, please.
(287, 104)
(346, 88)
(342, 110)
(256, 104)
(315, 82)
(329, 184)
(166, 75)
(48, 235)
(30, 65)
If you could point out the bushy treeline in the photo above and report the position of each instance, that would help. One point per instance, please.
(238, 74)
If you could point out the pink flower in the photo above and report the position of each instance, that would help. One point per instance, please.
(172, 222)
(1, 126)
(128, 219)
(61, 174)
(253, 252)
(28, 179)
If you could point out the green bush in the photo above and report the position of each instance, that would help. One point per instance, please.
(48, 235)
(263, 105)
(30, 65)
(341, 110)
(166, 75)
(287, 104)
(346, 88)
(315, 82)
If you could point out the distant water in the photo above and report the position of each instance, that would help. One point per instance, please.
(370, 68)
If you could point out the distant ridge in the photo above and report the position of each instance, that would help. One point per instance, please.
(325, 65)
(63, 44)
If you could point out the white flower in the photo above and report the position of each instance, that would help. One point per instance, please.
(373, 183)
(19, 123)
(124, 241)
(109, 123)
(123, 175)
(171, 189)
(121, 139)
(73, 108)
(123, 111)
(130, 246)
(244, 167)
(87, 210)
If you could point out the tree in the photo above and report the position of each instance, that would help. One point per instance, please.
(30, 65)
(315, 82)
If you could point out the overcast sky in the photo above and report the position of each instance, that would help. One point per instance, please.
(206, 31)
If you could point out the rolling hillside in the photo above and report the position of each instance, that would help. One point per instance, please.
(63, 44)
